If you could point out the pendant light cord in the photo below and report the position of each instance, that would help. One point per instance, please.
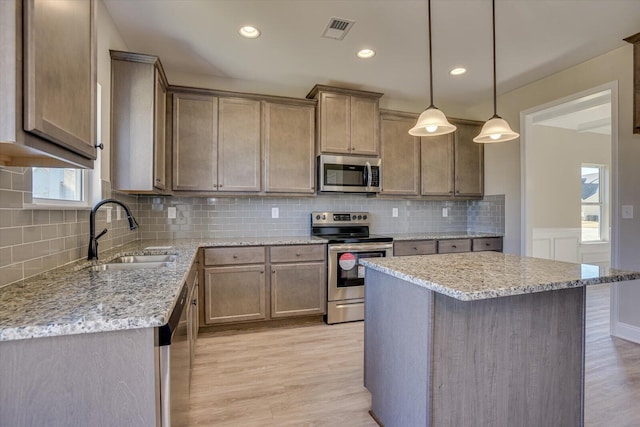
(495, 98)
(430, 60)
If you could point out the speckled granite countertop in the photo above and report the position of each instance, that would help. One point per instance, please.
(483, 275)
(441, 236)
(74, 300)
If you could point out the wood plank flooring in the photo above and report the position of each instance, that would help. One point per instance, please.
(311, 375)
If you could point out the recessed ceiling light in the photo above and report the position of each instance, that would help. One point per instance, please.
(249, 32)
(458, 71)
(366, 53)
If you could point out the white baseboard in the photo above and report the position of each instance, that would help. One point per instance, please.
(626, 332)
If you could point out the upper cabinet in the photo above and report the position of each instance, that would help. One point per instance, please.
(635, 40)
(348, 120)
(138, 123)
(216, 143)
(400, 154)
(452, 164)
(289, 143)
(48, 87)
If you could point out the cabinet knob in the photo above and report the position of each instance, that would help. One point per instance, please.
(194, 302)
(415, 249)
(273, 271)
(453, 246)
(235, 257)
(262, 272)
(220, 185)
(487, 244)
(297, 253)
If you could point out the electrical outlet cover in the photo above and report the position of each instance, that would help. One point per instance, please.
(172, 212)
(394, 212)
(275, 213)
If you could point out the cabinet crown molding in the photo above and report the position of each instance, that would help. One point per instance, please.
(361, 93)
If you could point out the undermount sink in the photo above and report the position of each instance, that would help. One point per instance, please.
(137, 262)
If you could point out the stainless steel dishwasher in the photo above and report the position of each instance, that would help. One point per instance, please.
(174, 365)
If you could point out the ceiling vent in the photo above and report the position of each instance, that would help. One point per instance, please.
(337, 28)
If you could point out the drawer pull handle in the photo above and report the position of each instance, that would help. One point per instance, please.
(235, 257)
(297, 253)
(453, 246)
(487, 244)
(415, 249)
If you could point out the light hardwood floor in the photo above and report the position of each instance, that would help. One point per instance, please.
(311, 375)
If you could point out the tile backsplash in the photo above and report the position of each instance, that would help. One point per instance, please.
(36, 240)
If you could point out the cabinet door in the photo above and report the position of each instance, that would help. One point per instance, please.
(234, 294)
(400, 156)
(195, 134)
(289, 138)
(365, 125)
(335, 122)
(60, 73)
(437, 159)
(469, 162)
(298, 289)
(239, 145)
(159, 136)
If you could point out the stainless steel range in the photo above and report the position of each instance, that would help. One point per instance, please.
(349, 241)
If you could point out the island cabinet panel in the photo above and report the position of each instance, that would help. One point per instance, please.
(401, 155)
(431, 360)
(298, 280)
(239, 145)
(235, 294)
(195, 139)
(415, 247)
(289, 144)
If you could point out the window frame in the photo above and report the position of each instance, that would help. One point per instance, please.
(603, 203)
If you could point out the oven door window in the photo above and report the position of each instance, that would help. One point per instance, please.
(349, 272)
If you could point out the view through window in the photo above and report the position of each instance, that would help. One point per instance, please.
(593, 205)
(59, 184)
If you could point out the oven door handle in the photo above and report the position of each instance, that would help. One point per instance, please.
(361, 247)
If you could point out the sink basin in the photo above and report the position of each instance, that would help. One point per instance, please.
(146, 258)
(114, 266)
(137, 262)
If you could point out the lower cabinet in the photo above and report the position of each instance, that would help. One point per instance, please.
(237, 289)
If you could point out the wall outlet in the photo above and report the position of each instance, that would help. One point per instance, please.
(394, 212)
(275, 213)
(108, 216)
(445, 212)
(172, 212)
(118, 213)
(627, 211)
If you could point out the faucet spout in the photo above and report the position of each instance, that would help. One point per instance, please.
(93, 239)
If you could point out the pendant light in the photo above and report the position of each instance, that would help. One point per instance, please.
(496, 129)
(432, 121)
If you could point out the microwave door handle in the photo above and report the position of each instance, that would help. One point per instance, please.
(368, 177)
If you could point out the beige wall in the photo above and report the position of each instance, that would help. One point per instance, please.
(502, 161)
(556, 157)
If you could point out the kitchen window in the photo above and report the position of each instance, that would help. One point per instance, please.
(594, 206)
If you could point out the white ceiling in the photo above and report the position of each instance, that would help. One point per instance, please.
(591, 113)
(535, 38)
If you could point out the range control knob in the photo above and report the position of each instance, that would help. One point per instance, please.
(353, 217)
(324, 217)
(317, 217)
(364, 217)
(359, 216)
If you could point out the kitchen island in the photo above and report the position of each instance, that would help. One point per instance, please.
(477, 339)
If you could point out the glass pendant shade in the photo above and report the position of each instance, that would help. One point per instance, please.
(432, 122)
(496, 129)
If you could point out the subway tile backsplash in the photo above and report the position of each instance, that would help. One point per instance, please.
(36, 240)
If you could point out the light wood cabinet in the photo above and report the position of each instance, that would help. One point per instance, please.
(195, 139)
(400, 154)
(239, 145)
(635, 40)
(289, 143)
(454, 245)
(298, 280)
(452, 165)
(487, 244)
(216, 143)
(348, 120)
(138, 123)
(445, 246)
(48, 85)
(415, 247)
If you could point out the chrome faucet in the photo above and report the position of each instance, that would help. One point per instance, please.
(93, 239)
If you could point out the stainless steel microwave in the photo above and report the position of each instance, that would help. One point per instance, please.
(349, 174)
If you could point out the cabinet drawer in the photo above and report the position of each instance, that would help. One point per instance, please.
(298, 253)
(487, 244)
(454, 245)
(414, 247)
(234, 255)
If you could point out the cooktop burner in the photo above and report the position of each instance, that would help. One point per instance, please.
(344, 227)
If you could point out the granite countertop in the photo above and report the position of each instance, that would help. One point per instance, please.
(483, 275)
(73, 299)
(441, 235)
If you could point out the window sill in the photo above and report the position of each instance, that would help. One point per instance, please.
(56, 207)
